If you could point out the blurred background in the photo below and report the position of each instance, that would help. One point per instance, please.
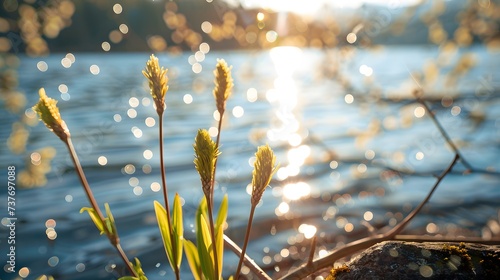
(328, 84)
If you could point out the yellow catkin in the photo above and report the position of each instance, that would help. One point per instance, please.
(157, 78)
(206, 153)
(264, 168)
(49, 113)
(223, 85)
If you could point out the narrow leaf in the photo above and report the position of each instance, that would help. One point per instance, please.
(138, 270)
(112, 228)
(161, 217)
(95, 218)
(178, 229)
(219, 241)
(203, 240)
(219, 230)
(193, 259)
(128, 278)
(222, 215)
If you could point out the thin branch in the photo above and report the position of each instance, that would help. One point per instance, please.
(255, 268)
(444, 133)
(114, 240)
(397, 229)
(355, 246)
(311, 253)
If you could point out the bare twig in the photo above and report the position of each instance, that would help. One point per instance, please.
(364, 243)
(247, 261)
(311, 253)
(443, 132)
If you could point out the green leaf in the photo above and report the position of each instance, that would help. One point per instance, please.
(128, 278)
(193, 259)
(219, 230)
(222, 215)
(95, 218)
(205, 247)
(161, 217)
(219, 241)
(178, 229)
(110, 220)
(138, 269)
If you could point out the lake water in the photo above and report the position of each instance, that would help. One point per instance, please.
(340, 122)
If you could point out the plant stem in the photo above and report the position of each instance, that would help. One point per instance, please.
(248, 262)
(165, 195)
(210, 202)
(217, 141)
(83, 179)
(114, 240)
(353, 247)
(214, 243)
(162, 168)
(245, 243)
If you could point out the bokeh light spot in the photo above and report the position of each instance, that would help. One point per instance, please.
(24, 272)
(133, 102)
(204, 48)
(53, 261)
(129, 169)
(150, 122)
(419, 156)
(238, 112)
(66, 62)
(42, 66)
(419, 112)
(105, 46)
(206, 27)
(94, 69)
(137, 191)
(80, 267)
(368, 216)
(187, 98)
(252, 95)
(155, 186)
(117, 9)
(123, 28)
(131, 113)
(63, 88)
(213, 131)
(102, 160)
(349, 98)
(351, 38)
(148, 154)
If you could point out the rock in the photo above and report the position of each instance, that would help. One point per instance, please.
(433, 260)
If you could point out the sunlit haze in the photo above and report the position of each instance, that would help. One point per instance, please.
(309, 7)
